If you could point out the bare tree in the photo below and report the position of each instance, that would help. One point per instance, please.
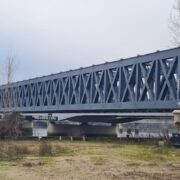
(10, 125)
(174, 23)
(10, 67)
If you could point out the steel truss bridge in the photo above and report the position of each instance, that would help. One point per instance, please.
(143, 83)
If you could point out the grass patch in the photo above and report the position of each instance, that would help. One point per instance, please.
(17, 150)
(69, 153)
(132, 163)
(45, 149)
(150, 153)
(99, 160)
(39, 162)
(161, 150)
(11, 152)
(107, 160)
(29, 164)
(46, 160)
(152, 164)
(59, 150)
(7, 163)
(128, 153)
(3, 177)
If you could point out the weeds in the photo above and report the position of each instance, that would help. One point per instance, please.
(106, 160)
(16, 150)
(164, 150)
(98, 160)
(45, 149)
(12, 152)
(132, 163)
(28, 164)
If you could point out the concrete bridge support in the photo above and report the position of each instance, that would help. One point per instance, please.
(177, 119)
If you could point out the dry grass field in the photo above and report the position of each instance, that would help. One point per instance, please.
(64, 160)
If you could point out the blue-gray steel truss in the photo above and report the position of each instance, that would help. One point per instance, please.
(144, 83)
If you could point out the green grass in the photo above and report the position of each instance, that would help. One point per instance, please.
(47, 160)
(133, 163)
(151, 153)
(8, 163)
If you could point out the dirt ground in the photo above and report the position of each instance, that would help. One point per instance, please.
(95, 161)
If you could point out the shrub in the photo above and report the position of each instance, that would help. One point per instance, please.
(45, 149)
(12, 152)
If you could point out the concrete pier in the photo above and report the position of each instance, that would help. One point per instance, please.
(176, 114)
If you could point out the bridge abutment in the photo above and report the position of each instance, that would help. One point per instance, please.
(176, 114)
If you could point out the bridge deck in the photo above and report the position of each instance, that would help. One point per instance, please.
(144, 83)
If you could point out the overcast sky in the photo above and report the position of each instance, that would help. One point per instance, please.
(49, 36)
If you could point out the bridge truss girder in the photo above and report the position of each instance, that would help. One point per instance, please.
(144, 83)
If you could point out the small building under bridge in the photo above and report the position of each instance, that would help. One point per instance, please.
(104, 125)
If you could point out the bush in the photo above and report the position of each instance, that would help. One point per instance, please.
(45, 149)
(12, 152)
